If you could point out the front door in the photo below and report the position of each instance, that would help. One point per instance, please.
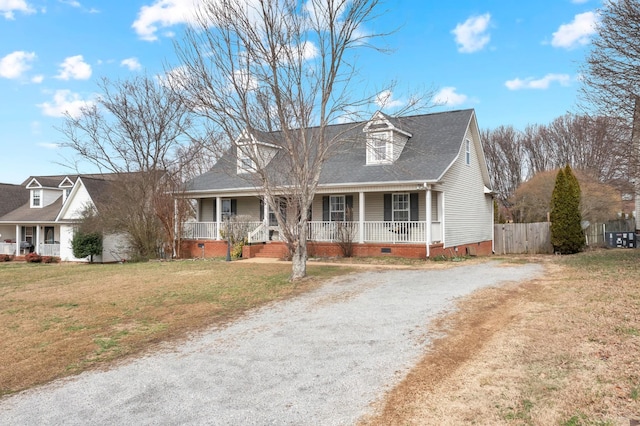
(49, 235)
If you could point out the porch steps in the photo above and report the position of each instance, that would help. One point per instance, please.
(272, 250)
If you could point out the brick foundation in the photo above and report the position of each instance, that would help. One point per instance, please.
(191, 249)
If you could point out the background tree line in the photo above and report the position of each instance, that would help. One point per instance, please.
(523, 165)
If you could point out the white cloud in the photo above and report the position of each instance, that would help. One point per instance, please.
(385, 99)
(577, 32)
(49, 145)
(309, 50)
(74, 67)
(64, 101)
(37, 79)
(162, 14)
(132, 63)
(472, 35)
(541, 84)
(448, 96)
(15, 64)
(72, 3)
(8, 7)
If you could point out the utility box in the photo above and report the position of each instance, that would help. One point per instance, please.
(621, 239)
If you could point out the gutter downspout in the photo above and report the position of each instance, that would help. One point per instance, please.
(429, 219)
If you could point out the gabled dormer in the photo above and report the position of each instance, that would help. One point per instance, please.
(384, 140)
(43, 191)
(252, 154)
(35, 194)
(66, 186)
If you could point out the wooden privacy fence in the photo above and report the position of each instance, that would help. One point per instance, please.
(517, 238)
(535, 238)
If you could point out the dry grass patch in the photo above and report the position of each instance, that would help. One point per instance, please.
(60, 319)
(562, 350)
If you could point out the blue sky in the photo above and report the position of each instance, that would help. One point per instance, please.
(516, 63)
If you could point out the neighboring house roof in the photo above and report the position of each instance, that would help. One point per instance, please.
(25, 213)
(434, 145)
(12, 197)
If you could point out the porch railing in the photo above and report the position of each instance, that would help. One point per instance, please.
(49, 250)
(259, 235)
(374, 231)
(7, 248)
(199, 230)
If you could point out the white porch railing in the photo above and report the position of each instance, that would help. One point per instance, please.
(259, 235)
(7, 248)
(374, 231)
(199, 230)
(49, 250)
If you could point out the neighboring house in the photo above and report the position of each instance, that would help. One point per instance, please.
(44, 212)
(415, 186)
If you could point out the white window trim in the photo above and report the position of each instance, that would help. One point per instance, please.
(374, 143)
(343, 212)
(224, 214)
(245, 163)
(467, 152)
(394, 209)
(34, 198)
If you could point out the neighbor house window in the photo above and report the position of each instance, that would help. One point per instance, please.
(36, 198)
(467, 151)
(337, 208)
(400, 207)
(226, 208)
(245, 163)
(67, 192)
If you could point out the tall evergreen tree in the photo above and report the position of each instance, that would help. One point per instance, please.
(567, 235)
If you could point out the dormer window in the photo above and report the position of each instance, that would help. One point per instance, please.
(245, 162)
(65, 194)
(385, 140)
(36, 198)
(379, 148)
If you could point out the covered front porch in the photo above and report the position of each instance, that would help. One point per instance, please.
(401, 215)
(19, 240)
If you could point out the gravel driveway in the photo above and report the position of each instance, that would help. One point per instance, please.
(321, 358)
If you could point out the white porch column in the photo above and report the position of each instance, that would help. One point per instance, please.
(429, 219)
(265, 211)
(218, 216)
(361, 217)
(37, 244)
(18, 240)
(176, 228)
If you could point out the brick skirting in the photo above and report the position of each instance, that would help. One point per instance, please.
(213, 248)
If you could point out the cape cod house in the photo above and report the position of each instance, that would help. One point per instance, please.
(41, 214)
(413, 186)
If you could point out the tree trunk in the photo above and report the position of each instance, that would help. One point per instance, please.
(299, 258)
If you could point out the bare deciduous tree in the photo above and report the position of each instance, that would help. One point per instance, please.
(611, 74)
(504, 153)
(271, 76)
(137, 130)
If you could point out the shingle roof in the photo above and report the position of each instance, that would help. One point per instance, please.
(435, 142)
(25, 213)
(12, 197)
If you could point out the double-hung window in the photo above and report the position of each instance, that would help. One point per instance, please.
(378, 148)
(36, 197)
(337, 208)
(467, 151)
(401, 207)
(226, 208)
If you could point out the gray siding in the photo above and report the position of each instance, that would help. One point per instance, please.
(468, 212)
